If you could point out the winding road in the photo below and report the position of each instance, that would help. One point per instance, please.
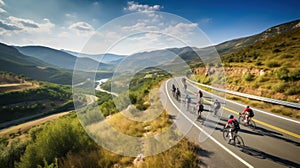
(274, 143)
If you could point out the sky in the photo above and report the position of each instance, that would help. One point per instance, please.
(71, 24)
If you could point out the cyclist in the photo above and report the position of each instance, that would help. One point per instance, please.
(233, 125)
(248, 114)
(199, 94)
(178, 94)
(184, 83)
(217, 106)
(188, 101)
(199, 106)
(173, 90)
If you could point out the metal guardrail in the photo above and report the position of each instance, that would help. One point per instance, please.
(269, 100)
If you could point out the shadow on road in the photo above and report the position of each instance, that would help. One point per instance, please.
(274, 134)
(203, 153)
(250, 132)
(262, 155)
(172, 117)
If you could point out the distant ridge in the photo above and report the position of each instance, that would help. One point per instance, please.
(235, 44)
(55, 57)
(11, 60)
(107, 58)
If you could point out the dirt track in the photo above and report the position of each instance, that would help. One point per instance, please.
(25, 126)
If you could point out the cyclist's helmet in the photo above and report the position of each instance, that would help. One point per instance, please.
(247, 106)
(230, 116)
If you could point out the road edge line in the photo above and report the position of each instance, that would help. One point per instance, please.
(209, 136)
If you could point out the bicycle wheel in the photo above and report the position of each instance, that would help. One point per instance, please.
(252, 124)
(226, 134)
(238, 141)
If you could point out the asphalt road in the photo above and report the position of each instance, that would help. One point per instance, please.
(274, 143)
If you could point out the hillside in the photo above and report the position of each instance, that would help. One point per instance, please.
(269, 67)
(36, 99)
(10, 82)
(75, 146)
(236, 44)
(11, 60)
(59, 58)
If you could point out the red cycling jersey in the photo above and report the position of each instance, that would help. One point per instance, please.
(246, 109)
(230, 121)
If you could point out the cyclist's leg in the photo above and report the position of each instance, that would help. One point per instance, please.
(230, 133)
(249, 118)
(199, 113)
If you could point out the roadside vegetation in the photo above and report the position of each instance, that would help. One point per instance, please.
(64, 143)
(268, 68)
(277, 64)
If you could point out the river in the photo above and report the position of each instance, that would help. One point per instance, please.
(98, 87)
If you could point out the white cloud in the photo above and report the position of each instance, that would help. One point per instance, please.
(2, 11)
(135, 6)
(181, 29)
(71, 15)
(82, 28)
(18, 30)
(2, 3)
(28, 25)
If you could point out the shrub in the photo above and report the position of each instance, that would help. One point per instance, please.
(12, 153)
(282, 73)
(286, 56)
(280, 87)
(287, 113)
(292, 91)
(262, 78)
(294, 75)
(275, 110)
(273, 64)
(248, 76)
(276, 50)
(258, 63)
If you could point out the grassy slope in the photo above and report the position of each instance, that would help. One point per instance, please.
(279, 58)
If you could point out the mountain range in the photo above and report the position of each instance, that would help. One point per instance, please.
(47, 64)
(11, 60)
(60, 58)
(107, 58)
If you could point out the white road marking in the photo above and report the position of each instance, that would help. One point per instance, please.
(209, 136)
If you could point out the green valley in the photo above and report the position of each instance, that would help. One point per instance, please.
(22, 97)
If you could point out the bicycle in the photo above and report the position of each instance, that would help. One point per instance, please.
(251, 124)
(237, 140)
